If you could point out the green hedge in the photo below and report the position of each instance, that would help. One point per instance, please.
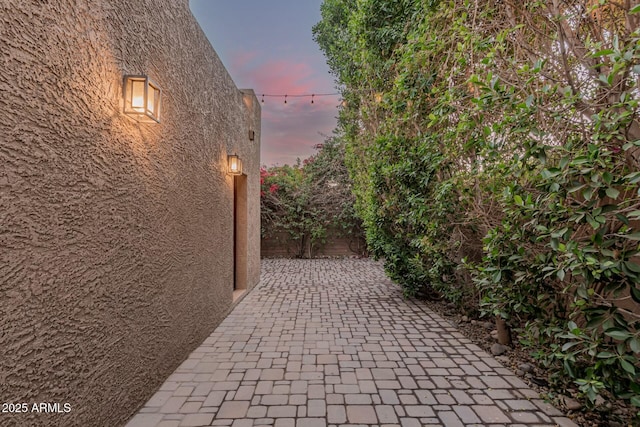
(493, 148)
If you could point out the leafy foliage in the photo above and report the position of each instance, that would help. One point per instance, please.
(305, 200)
(494, 149)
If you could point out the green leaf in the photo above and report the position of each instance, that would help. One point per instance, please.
(635, 345)
(634, 215)
(559, 233)
(550, 173)
(605, 355)
(635, 294)
(580, 160)
(496, 276)
(603, 78)
(529, 101)
(568, 345)
(608, 253)
(582, 292)
(627, 367)
(575, 188)
(622, 218)
(632, 236)
(612, 192)
(587, 193)
(573, 326)
(633, 266)
(617, 334)
(603, 52)
(635, 9)
(564, 162)
(633, 178)
(592, 222)
(609, 208)
(569, 369)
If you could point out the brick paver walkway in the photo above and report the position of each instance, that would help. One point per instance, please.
(333, 343)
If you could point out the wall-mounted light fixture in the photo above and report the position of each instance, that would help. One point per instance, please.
(141, 99)
(235, 164)
(252, 135)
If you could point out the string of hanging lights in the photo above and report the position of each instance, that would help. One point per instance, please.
(305, 95)
(286, 97)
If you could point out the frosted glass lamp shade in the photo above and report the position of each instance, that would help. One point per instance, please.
(142, 99)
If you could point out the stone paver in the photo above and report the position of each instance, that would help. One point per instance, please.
(332, 343)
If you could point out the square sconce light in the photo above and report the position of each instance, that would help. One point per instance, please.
(141, 99)
(252, 135)
(235, 164)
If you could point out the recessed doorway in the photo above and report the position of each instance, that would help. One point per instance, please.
(239, 235)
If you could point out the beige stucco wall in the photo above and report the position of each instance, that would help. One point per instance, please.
(115, 236)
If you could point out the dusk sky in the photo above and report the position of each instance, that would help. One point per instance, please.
(267, 46)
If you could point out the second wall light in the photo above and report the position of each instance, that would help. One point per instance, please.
(234, 164)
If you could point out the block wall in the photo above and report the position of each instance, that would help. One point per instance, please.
(116, 238)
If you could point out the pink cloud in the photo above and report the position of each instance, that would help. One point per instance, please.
(279, 76)
(285, 77)
(291, 130)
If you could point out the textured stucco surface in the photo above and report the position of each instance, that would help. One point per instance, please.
(115, 236)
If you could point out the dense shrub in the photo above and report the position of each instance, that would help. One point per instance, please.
(307, 199)
(494, 148)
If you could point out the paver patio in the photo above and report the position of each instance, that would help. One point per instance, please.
(333, 343)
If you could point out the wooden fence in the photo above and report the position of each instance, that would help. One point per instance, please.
(281, 245)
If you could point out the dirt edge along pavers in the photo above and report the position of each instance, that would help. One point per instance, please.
(334, 343)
